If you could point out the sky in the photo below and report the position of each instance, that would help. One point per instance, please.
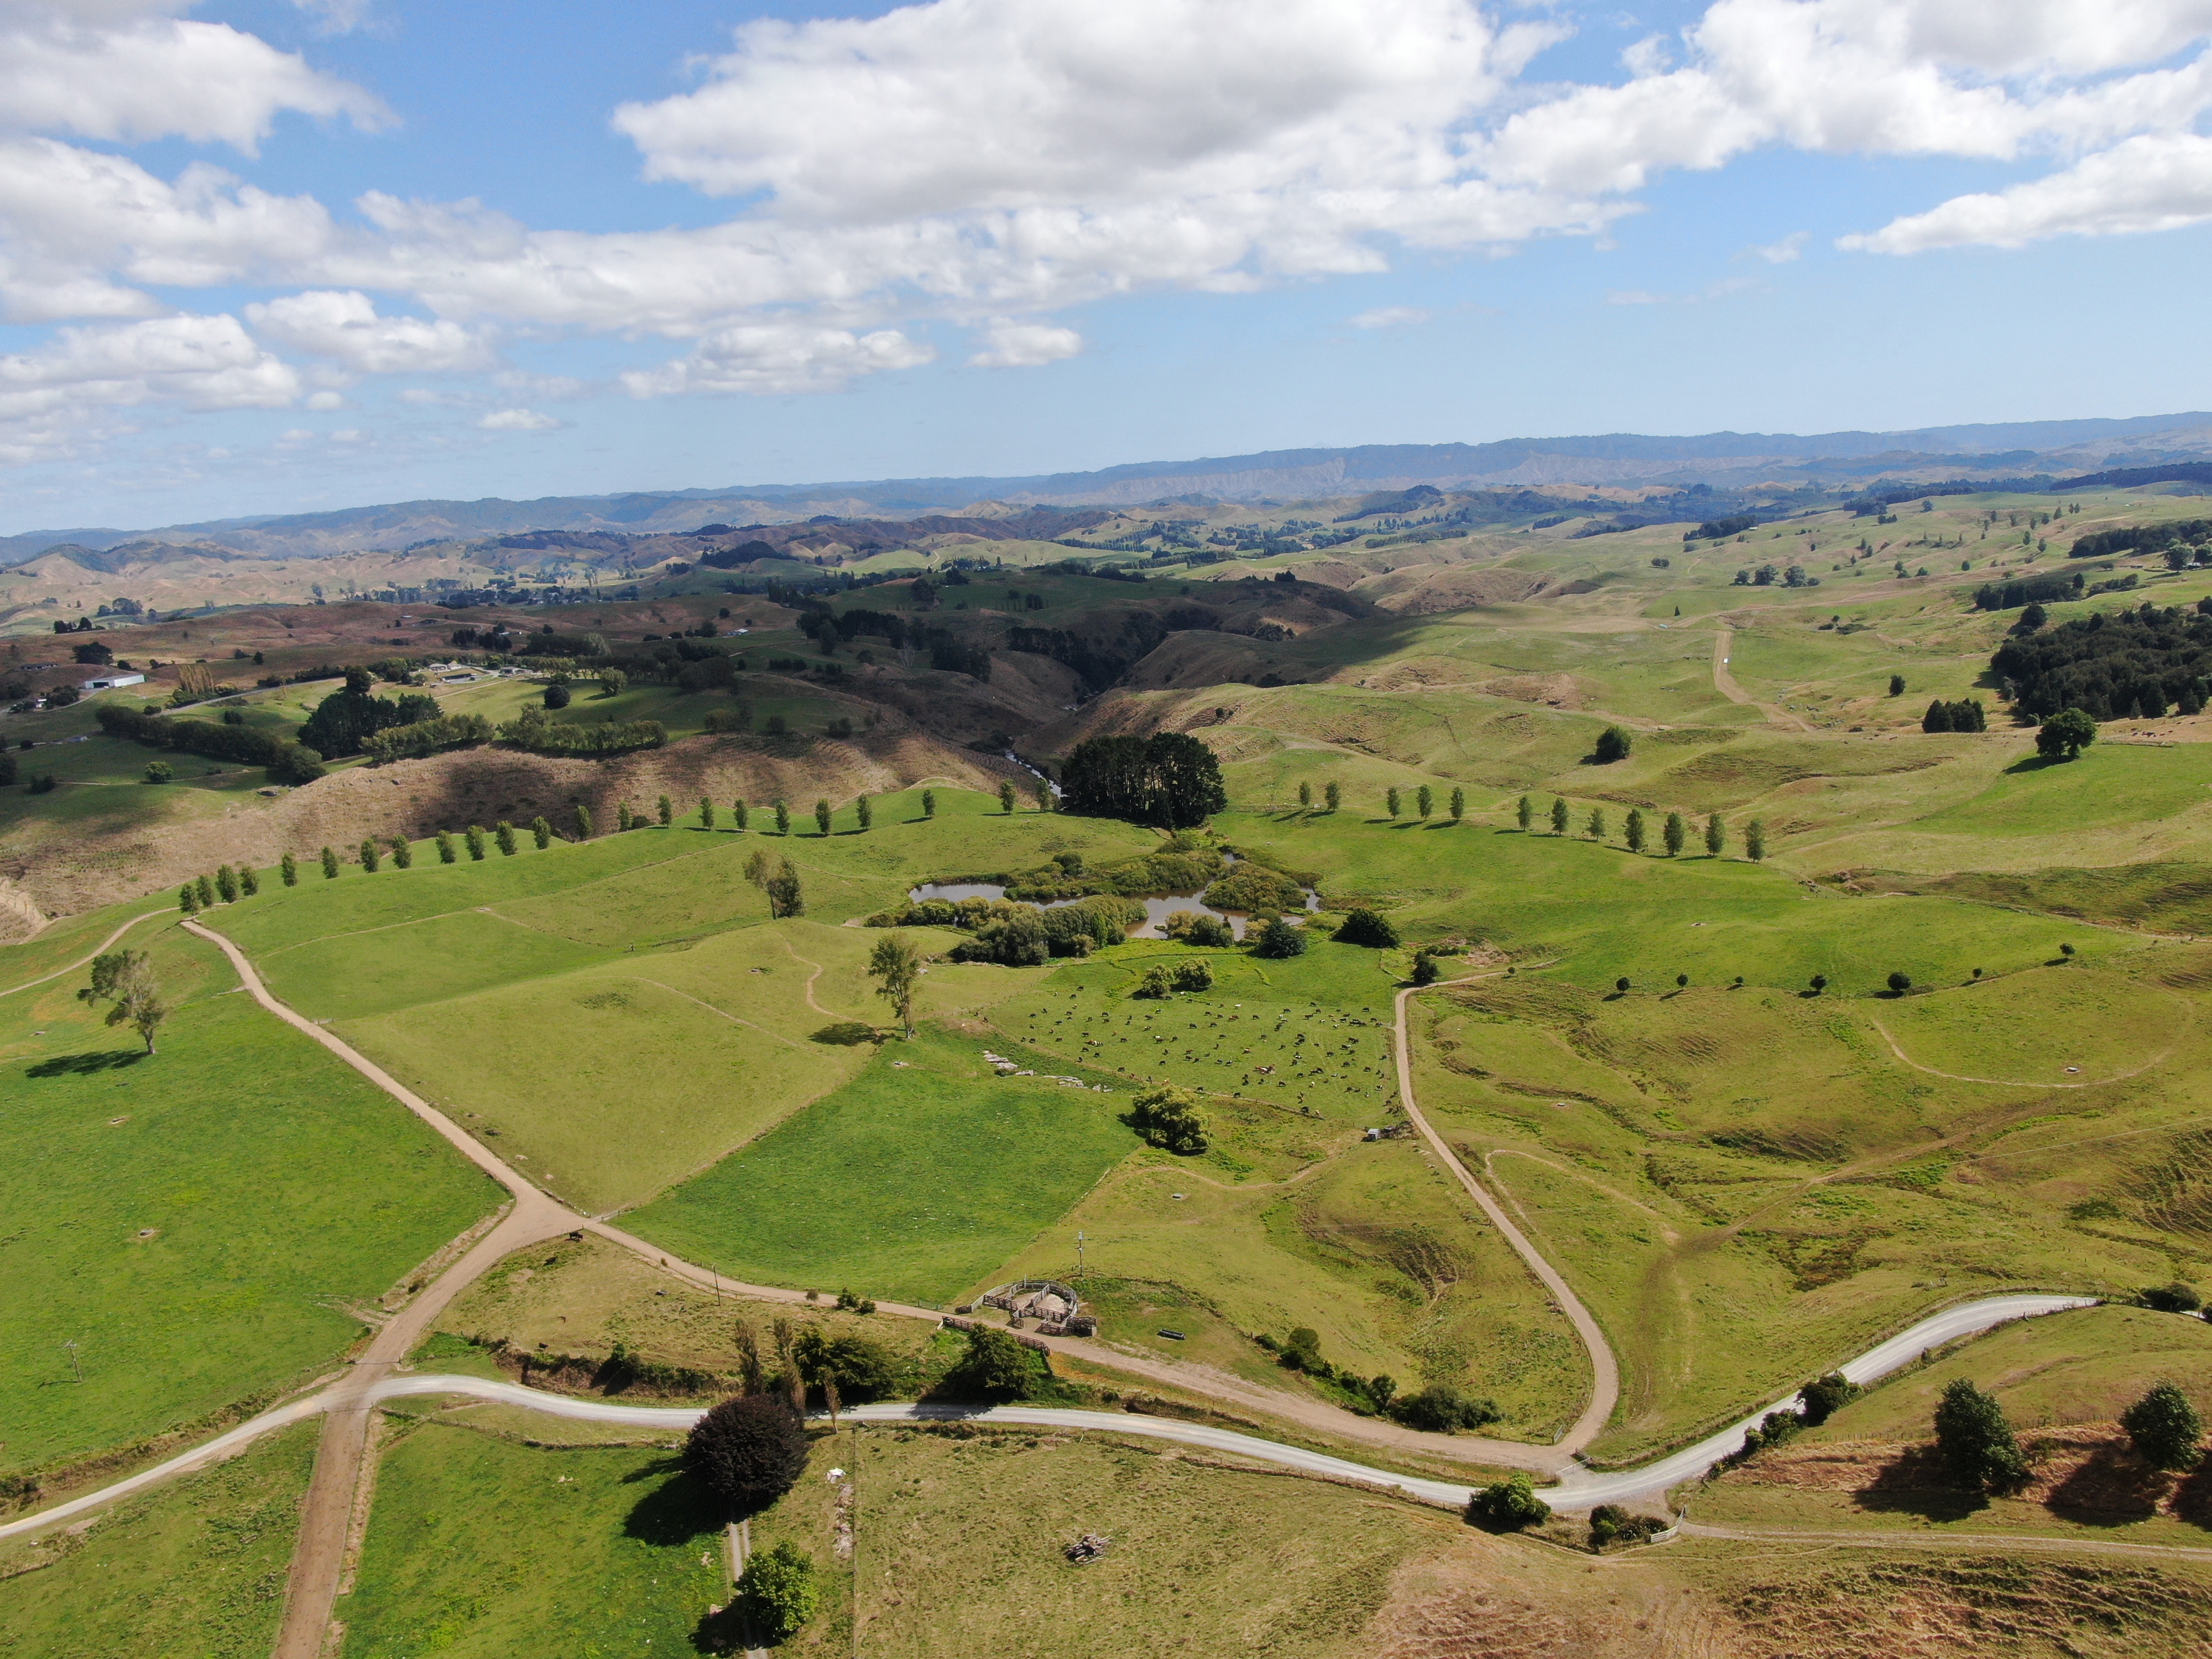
(280, 255)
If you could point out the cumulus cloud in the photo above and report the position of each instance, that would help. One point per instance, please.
(1025, 345)
(779, 357)
(103, 73)
(345, 327)
(517, 419)
(1390, 317)
(2154, 182)
(48, 395)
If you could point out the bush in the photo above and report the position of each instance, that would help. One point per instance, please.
(1195, 927)
(2176, 1298)
(1612, 744)
(557, 695)
(1825, 1398)
(776, 1591)
(1368, 928)
(1442, 1409)
(1253, 888)
(1167, 1117)
(1279, 939)
(749, 1450)
(156, 772)
(861, 1369)
(1425, 971)
(997, 1366)
(1609, 1523)
(1508, 1506)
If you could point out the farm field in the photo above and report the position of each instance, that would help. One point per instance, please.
(197, 1567)
(200, 1222)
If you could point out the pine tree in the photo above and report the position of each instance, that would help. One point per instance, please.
(1458, 805)
(541, 832)
(1332, 796)
(188, 899)
(1425, 801)
(1754, 840)
(225, 882)
(403, 853)
(474, 836)
(782, 818)
(706, 813)
(330, 864)
(1305, 795)
(505, 837)
(1595, 827)
(368, 855)
(1005, 797)
(865, 809)
(740, 815)
(668, 811)
(287, 868)
(822, 809)
(583, 821)
(1674, 832)
(1559, 816)
(1394, 802)
(1525, 813)
(445, 852)
(929, 803)
(622, 819)
(1634, 830)
(1715, 835)
(248, 883)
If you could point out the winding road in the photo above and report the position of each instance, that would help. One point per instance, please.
(532, 1216)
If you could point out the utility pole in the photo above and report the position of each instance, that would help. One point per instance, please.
(76, 1371)
(1078, 1253)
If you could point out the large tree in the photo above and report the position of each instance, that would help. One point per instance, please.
(1975, 1441)
(749, 1450)
(1169, 779)
(2164, 1428)
(346, 719)
(2066, 734)
(124, 980)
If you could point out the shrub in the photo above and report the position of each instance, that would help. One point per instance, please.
(777, 1593)
(1900, 983)
(1508, 1506)
(156, 771)
(1609, 1523)
(861, 1369)
(1368, 928)
(749, 1450)
(557, 695)
(1167, 1117)
(996, 1366)
(1823, 1399)
(2176, 1298)
(1425, 969)
(2165, 1428)
(1279, 939)
(1442, 1409)
(1612, 744)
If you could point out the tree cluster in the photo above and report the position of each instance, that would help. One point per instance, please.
(1163, 979)
(1167, 1117)
(1169, 779)
(2054, 589)
(2112, 666)
(343, 721)
(288, 762)
(2141, 539)
(1966, 715)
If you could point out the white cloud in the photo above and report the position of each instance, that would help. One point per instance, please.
(345, 326)
(517, 419)
(1634, 296)
(1790, 247)
(118, 76)
(1025, 345)
(322, 402)
(2155, 182)
(1390, 317)
(779, 357)
(50, 397)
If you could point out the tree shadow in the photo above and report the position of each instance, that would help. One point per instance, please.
(2036, 763)
(85, 1065)
(1915, 1483)
(2112, 1488)
(2193, 1495)
(678, 1510)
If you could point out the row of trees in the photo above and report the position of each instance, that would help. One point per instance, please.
(1673, 833)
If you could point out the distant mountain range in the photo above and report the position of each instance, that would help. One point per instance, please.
(1728, 460)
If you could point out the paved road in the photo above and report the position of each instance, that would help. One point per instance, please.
(1605, 1371)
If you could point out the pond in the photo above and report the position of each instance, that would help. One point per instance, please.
(1157, 911)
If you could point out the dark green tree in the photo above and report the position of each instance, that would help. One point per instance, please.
(929, 803)
(1005, 797)
(1824, 1397)
(1524, 813)
(1425, 969)
(668, 811)
(206, 889)
(1633, 832)
(2165, 1429)
(402, 852)
(2065, 735)
(1458, 804)
(1367, 927)
(369, 854)
(330, 864)
(1612, 744)
(706, 812)
(1279, 939)
(557, 695)
(865, 809)
(447, 852)
(188, 899)
(1674, 833)
(288, 869)
(1305, 793)
(541, 831)
(782, 818)
(748, 1451)
(226, 883)
(504, 834)
(1975, 1441)
(740, 814)
(996, 1365)
(1715, 835)
(1820, 983)
(583, 821)
(1396, 802)
(1332, 796)
(1594, 826)
(896, 966)
(822, 817)
(1169, 779)
(473, 838)
(1559, 816)
(248, 883)
(1896, 685)
(1167, 1117)
(1900, 983)
(1425, 802)
(1754, 840)
(1508, 1506)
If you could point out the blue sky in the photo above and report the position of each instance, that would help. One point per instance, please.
(272, 257)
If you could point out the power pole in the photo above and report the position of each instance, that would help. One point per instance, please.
(1079, 1254)
(76, 1371)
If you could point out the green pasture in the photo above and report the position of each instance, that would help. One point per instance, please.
(2110, 785)
(911, 1182)
(196, 1221)
(194, 1567)
(475, 1542)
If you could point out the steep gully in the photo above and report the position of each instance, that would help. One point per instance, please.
(532, 1216)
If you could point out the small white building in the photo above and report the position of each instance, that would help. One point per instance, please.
(109, 682)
